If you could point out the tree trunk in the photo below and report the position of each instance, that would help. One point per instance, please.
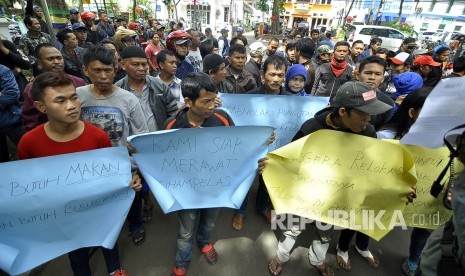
(134, 5)
(399, 19)
(275, 13)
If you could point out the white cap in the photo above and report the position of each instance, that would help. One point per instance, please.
(257, 48)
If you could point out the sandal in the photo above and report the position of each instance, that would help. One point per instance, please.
(238, 222)
(371, 259)
(147, 214)
(408, 267)
(139, 237)
(275, 266)
(342, 260)
(326, 270)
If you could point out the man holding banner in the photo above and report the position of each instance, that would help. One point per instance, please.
(274, 71)
(199, 91)
(350, 112)
(55, 95)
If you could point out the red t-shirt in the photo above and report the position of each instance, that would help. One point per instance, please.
(36, 143)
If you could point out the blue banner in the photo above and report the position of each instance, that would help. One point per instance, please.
(50, 206)
(285, 113)
(201, 167)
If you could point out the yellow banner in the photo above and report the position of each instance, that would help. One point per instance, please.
(427, 211)
(342, 179)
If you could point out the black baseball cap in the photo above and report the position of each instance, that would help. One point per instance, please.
(360, 96)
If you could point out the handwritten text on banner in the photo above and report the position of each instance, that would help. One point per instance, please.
(201, 168)
(427, 211)
(285, 113)
(321, 173)
(57, 204)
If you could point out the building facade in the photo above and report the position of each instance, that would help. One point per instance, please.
(315, 12)
(436, 16)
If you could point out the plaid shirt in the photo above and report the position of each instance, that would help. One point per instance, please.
(28, 43)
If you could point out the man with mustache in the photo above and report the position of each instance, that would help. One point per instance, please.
(49, 59)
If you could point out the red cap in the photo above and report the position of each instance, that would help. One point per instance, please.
(132, 25)
(425, 60)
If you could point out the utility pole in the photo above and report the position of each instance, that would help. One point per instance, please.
(194, 16)
(379, 13)
(156, 5)
(48, 19)
(348, 12)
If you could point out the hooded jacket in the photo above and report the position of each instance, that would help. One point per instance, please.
(406, 83)
(296, 70)
(319, 122)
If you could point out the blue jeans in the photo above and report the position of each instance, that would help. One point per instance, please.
(134, 216)
(79, 260)
(188, 220)
(263, 202)
(418, 240)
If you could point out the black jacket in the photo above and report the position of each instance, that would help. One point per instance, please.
(326, 83)
(253, 68)
(261, 90)
(319, 122)
(180, 120)
(74, 66)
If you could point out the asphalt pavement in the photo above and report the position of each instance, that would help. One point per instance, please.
(241, 253)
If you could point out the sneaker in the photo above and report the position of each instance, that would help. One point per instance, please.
(120, 272)
(211, 256)
(179, 271)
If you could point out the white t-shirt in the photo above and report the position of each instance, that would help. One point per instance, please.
(196, 59)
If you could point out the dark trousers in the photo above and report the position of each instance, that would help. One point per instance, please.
(79, 260)
(134, 216)
(263, 203)
(418, 240)
(361, 240)
(14, 133)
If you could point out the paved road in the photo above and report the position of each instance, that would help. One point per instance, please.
(241, 253)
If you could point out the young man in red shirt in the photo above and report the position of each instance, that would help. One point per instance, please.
(55, 95)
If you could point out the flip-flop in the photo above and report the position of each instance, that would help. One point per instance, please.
(278, 267)
(409, 268)
(147, 214)
(139, 237)
(325, 271)
(238, 222)
(371, 259)
(342, 260)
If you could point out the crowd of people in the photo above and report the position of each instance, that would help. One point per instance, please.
(102, 82)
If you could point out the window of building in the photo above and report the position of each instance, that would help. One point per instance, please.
(226, 14)
(425, 26)
(441, 27)
(203, 14)
(457, 28)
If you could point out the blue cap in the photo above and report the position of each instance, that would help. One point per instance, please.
(36, 8)
(73, 11)
(240, 29)
(77, 26)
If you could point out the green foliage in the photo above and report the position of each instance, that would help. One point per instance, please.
(262, 5)
(281, 6)
(4, 3)
(404, 28)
